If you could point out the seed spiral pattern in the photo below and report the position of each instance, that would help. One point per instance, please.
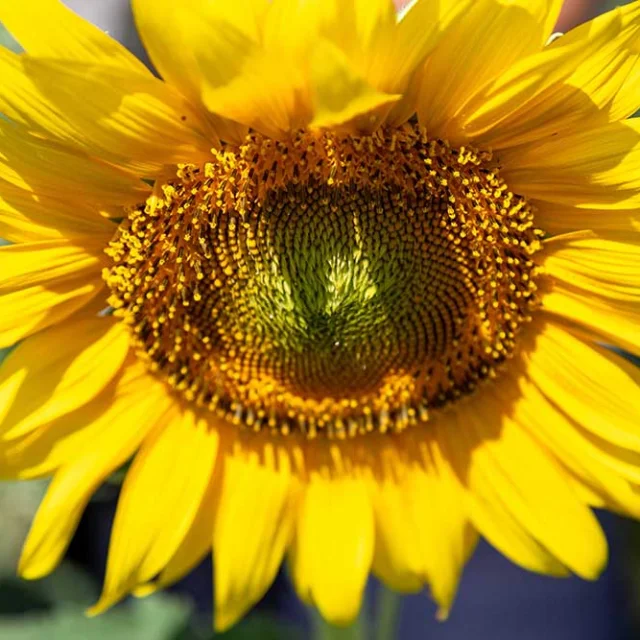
(329, 284)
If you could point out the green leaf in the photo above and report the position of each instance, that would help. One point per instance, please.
(69, 592)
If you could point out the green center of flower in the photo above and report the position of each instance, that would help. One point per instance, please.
(329, 284)
(322, 295)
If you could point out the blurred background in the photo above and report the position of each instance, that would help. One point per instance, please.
(497, 601)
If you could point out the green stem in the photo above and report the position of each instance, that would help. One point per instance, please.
(387, 614)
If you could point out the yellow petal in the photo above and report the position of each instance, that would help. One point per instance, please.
(333, 548)
(485, 40)
(243, 81)
(340, 95)
(396, 560)
(607, 264)
(18, 93)
(24, 102)
(588, 384)
(225, 33)
(381, 48)
(373, 43)
(82, 357)
(372, 20)
(253, 525)
(505, 461)
(254, 91)
(590, 75)
(45, 167)
(534, 488)
(403, 47)
(166, 483)
(140, 402)
(69, 437)
(606, 476)
(23, 265)
(41, 306)
(122, 114)
(193, 548)
(293, 27)
(595, 285)
(48, 29)
(172, 51)
(422, 25)
(598, 318)
(556, 219)
(422, 528)
(42, 283)
(488, 510)
(29, 217)
(594, 168)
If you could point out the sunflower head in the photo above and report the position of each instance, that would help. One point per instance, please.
(336, 285)
(280, 286)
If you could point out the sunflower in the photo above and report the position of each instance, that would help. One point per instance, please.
(339, 287)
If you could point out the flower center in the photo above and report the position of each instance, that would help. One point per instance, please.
(328, 284)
